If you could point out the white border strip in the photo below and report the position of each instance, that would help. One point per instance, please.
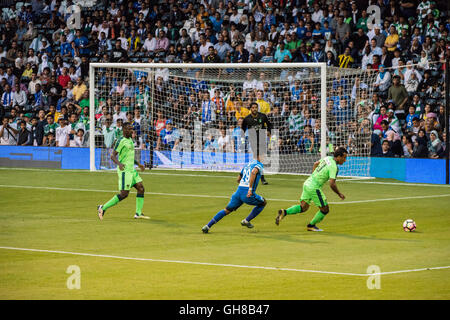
(221, 264)
(207, 65)
(217, 196)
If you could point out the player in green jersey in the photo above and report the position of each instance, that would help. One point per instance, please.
(123, 157)
(323, 170)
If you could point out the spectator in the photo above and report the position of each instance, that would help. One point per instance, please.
(435, 148)
(149, 43)
(296, 122)
(36, 133)
(82, 42)
(80, 140)
(392, 39)
(224, 142)
(385, 150)
(410, 117)
(383, 81)
(379, 118)
(108, 131)
(345, 60)
(23, 138)
(397, 93)
(13, 52)
(343, 30)
(222, 48)
(50, 140)
(420, 145)
(211, 57)
(64, 78)
(79, 89)
(8, 133)
(118, 54)
(20, 98)
(7, 101)
(392, 136)
(408, 147)
(104, 44)
(62, 133)
(376, 149)
(306, 144)
(168, 138)
(330, 60)
(241, 55)
(263, 106)
(281, 53)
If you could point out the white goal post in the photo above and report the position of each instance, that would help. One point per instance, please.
(187, 115)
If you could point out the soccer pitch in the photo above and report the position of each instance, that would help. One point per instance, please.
(49, 223)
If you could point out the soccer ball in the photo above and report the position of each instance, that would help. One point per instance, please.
(409, 225)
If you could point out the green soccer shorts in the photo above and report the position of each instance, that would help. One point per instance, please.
(315, 195)
(127, 179)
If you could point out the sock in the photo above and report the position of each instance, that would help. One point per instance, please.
(254, 213)
(294, 209)
(139, 203)
(115, 200)
(317, 218)
(217, 218)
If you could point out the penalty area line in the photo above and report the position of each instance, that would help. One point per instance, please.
(220, 264)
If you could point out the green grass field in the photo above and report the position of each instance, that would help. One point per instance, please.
(172, 259)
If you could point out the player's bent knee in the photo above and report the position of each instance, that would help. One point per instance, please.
(264, 203)
(123, 194)
(325, 210)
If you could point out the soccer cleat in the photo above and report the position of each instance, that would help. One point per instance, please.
(280, 216)
(141, 216)
(313, 228)
(205, 229)
(264, 182)
(100, 212)
(247, 224)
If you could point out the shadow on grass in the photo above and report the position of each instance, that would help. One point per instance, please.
(352, 236)
(293, 237)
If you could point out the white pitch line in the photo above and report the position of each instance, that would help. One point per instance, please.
(217, 196)
(412, 270)
(221, 264)
(300, 176)
(392, 199)
(231, 176)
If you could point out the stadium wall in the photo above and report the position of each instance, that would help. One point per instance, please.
(408, 170)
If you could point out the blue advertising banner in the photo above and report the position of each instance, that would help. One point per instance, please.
(408, 170)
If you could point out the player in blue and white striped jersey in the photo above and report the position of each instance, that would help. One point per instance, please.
(248, 180)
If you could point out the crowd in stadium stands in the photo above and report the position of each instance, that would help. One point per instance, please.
(44, 69)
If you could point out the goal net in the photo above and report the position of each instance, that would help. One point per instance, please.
(190, 116)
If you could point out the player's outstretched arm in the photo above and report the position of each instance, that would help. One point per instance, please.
(334, 187)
